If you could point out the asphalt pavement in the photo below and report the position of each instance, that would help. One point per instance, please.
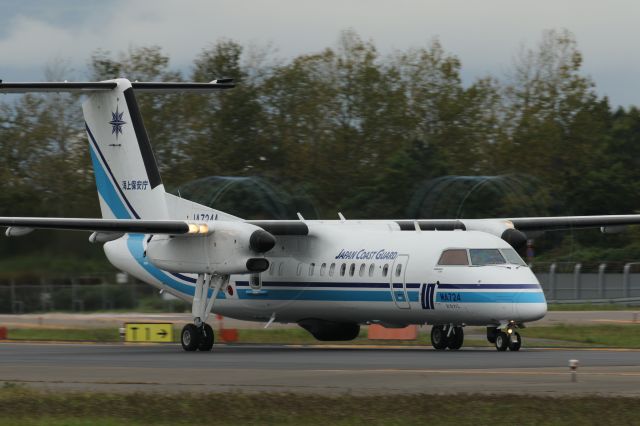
(318, 369)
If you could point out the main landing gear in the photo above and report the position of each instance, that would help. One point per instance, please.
(199, 335)
(447, 336)
(505, 339)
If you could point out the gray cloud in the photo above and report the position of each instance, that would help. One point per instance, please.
(484, 34)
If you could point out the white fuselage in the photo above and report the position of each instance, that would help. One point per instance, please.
(365, 272)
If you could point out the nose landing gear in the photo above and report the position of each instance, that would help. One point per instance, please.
(447, 336)
(504, 339)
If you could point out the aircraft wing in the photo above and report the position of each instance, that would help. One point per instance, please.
(300, 228)
(171, 227)
(573, 222)
(524, 223)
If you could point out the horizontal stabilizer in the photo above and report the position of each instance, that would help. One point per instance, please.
(87, 86)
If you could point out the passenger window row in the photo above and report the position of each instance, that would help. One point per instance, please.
(362, 270)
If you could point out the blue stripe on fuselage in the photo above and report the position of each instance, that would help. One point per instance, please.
(490, 286)
(135, 244)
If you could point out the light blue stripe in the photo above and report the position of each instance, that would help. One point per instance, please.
(106, 190)
(135, 243)
(385, 296)
(490, 297)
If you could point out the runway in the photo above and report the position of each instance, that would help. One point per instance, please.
(324, 370)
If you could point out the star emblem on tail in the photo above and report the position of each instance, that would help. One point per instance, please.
(117, 122)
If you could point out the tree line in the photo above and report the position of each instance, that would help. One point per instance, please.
(353, 130)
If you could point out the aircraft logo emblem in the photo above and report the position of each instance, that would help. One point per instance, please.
(117, 122)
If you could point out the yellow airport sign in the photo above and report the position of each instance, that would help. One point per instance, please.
(148, 332)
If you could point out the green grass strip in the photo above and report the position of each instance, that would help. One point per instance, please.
(610, 335)
(592, 307)
(25, 406)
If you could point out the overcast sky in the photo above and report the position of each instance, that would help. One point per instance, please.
(484, 34)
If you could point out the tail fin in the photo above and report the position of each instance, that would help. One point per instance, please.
(127, 176)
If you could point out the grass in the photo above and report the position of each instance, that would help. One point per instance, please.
(65, 334)
(21, 405)
(592, 307)
(615, 335)
(619, 336)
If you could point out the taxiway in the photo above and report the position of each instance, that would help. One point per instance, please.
(318, 369)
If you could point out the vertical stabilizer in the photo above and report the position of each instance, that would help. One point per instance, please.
(127, 176)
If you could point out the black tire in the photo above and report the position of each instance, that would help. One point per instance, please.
(206, 338)
(515, 346)
(491, 334)
(439, 337)
(456, 339)
(502, 341)
(190, 337)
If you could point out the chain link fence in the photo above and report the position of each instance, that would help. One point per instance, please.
(589, 282)
(83, 293)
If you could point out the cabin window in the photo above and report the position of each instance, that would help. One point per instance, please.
(362, 270)
(398, 270)
(272, 267)
(312, 267)
(385, 270)
(372, 268)
(454, 257)
(281, 269)
(352, 269)
(323, 268)
(299, 271)
(486, 257)
(332, 269)
(343, 269)
(513, 257)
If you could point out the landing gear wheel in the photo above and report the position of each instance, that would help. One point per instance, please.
(439, 338)
(515, 346)
(491, 334)
(502, 341)
(206, 338)
(190, 337)
(456, 339)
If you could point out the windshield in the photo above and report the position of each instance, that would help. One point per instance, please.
(486, 257)
(513, 257)
(454, 257)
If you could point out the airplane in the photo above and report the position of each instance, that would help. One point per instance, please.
(328, 276)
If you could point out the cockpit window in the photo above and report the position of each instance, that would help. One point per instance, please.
(513, 257)
(454, 257)
(486, 257)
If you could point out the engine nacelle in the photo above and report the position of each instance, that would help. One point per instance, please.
(500, 228)
(228, 248)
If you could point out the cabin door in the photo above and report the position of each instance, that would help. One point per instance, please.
(397, 281)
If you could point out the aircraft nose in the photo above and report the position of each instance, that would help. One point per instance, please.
(531, 305)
